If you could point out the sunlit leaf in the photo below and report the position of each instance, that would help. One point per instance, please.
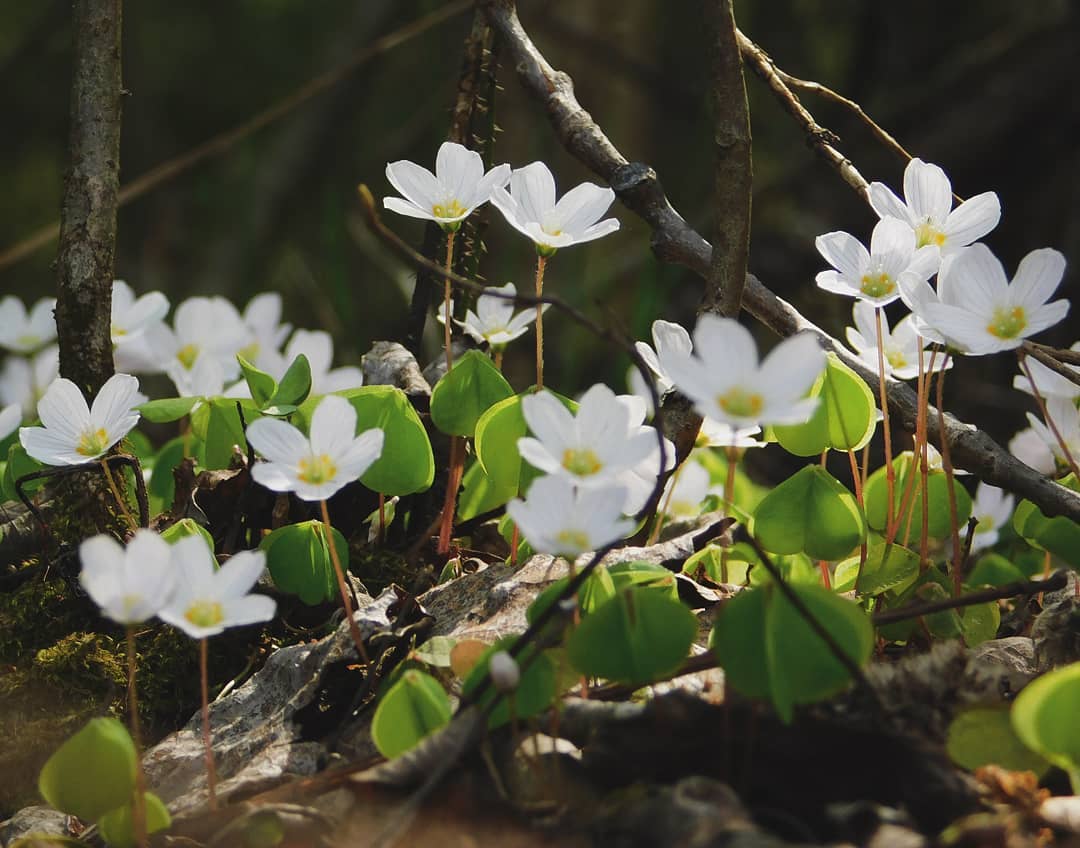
(466, 392)
(413, 708)
(1044, 717)
(92, 773)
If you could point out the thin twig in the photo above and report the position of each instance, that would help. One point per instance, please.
(1056, 581)
(820, 139)
(1055, 360)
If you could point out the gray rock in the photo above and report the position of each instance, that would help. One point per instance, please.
(40, 819)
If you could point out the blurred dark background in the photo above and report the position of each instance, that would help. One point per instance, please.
(985, 88)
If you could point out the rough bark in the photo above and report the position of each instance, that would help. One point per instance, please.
(733, 172)
(84, 266)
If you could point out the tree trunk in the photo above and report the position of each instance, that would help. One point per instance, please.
(84, 266)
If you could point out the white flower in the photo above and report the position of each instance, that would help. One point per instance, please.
(926, 209)
(10, 419)
(494, 321)
(132, 316)
(562, 519)
(591, 448)
(314, 467)
(685, 491)
(22, 332)
(130, 584)
(670, 340)
(201, 326)
(993, 508)
(902, 345)
(1066, 418)
(24, 381)
(978, 311)
(208, 599)
(262, 318)
(74, 432)
(720, 434)
(1048, 381)
(318, 347)
(448, 196)
(724, 380)
(1030, 448)
(530, 208)
(874, 276)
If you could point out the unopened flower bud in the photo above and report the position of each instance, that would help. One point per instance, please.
(505, 673)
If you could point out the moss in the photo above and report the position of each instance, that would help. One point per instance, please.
(378, 568)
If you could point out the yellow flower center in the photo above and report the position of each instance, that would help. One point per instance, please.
(316, 469)
(741, 403)
(926, 233)
(573, 539)
(450, 209)
(581, 462)
(187, 355)
(205, 614)
(93, 443)
(251, 352)
(877, 285)
(28, 340)
(117, 332)
(1007, 323)
(895, 358)
(131, 601)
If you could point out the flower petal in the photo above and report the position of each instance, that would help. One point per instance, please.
(550, 421)
(791, 367)
(239, 574)
(845, 253)
(885, 202)
(414, 183)
(112, 409)
(972, 220)
(927, 191)
(50, 448)
(250, 609)
(278, 441)
(533, 187)
(1037, 278)
(976, 279)
(580, 208)
(361, 454)
(725, 343)
(333, 427)
(405, 207)
(458, 170)
(63, 410)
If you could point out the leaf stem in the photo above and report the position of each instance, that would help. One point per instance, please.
(890, 472)
(946, 463)
(453, 483)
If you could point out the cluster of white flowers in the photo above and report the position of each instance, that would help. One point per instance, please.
(974, 310)
(180, 583)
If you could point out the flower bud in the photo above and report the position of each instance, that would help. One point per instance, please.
(505, 673)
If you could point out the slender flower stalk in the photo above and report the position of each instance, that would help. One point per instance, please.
(450, 234)
(453, 483)
(541, 264)
(339, 574)
(890, 472)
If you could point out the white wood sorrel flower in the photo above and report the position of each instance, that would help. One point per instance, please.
(131, 315)
(208, 599)
(10, 419)
(74, 432)
(1066, 418)
(874, 275)
(993, 508)
(978, 311)
(562, 519)
(1048, 382)
(24, 380)
(530, 208)
(594, 447)
(448, 196)
(130, 584)
(494, 321)
(927, 209)
(725, 381)
(25, 332)
(902, 345)
(315, 466)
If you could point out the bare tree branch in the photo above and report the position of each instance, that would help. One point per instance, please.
(88, 216)
(673, 240)
(733, 173)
